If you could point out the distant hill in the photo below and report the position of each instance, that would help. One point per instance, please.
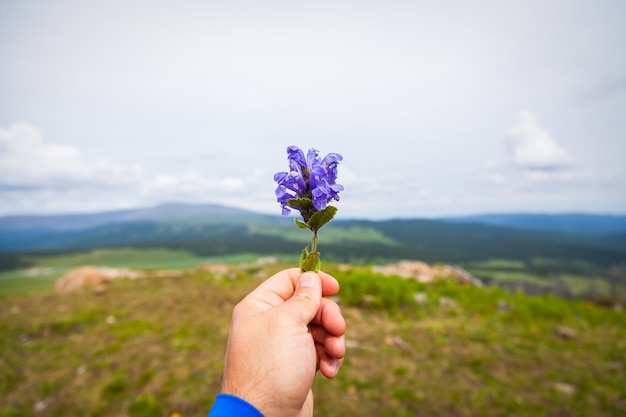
(575, 224)
(169, 212)
(74, 231)
(210, 230)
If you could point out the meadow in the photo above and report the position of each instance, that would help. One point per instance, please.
(154, 346)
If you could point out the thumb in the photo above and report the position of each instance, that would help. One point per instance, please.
(307, 298)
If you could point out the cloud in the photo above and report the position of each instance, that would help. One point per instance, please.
(604, 88)
(534, 147)
(562, 176)
(37, 176)
(26, 161)
(493, 177)
(192, 182)
(493, 173)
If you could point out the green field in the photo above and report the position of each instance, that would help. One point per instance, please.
(571, 279)
(46, 269)
(331, 235)
(154, 346)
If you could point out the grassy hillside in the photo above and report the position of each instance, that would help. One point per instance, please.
(575, 224)
(154, 347)
(214, 231)
(565, 278)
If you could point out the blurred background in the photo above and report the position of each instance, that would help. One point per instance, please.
(480, 242)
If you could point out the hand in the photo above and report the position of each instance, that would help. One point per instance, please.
(281, 333)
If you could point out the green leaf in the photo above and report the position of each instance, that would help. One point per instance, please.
(311, 262)
(303, 203)
(318, 265)
(322, 217)
(304, 254)
(300, 223)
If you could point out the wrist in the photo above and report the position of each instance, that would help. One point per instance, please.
(227, 405)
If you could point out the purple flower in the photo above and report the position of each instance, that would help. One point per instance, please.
(309, 177)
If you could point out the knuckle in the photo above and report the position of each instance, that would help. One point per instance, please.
(306, 296)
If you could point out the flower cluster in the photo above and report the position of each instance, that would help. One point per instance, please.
(311, 177)
(308, 187)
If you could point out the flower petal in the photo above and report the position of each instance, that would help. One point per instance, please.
(296, 155)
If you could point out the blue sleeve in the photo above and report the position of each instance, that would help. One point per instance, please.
(226, 405)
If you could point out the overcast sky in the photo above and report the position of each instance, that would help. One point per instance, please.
(438, 107)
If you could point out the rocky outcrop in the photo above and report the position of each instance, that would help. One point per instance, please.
(423, 272)
(95, 276)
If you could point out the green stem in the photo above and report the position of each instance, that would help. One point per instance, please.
(314, 241)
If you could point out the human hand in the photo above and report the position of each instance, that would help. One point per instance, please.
(281, 333)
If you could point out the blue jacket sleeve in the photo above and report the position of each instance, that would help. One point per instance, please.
(226, 405)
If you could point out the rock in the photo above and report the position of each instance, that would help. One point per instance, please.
(422, 272)
(267, 260)
(370, 300)
(41, 406)
(220, 270)
(398, 342)
(564, 388)
(503, 306)
(420, 297)
(77, 278)
(465, 277)
(217, 268)
(417, 270)
(565, 332)
(446, 302)
(344, 267)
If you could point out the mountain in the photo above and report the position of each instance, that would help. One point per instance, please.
(169, 212)
(575, 224)
(210, 230)
(73, 231)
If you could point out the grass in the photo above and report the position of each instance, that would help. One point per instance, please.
(17, 283)
(134, 258)
(119, 257)
(331, 235)
(499, 264)
(154, 347)
(546, 275)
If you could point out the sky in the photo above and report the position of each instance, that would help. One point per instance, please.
(439, 108)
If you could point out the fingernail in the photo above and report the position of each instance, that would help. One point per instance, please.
(307, 280)
(334, 365)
